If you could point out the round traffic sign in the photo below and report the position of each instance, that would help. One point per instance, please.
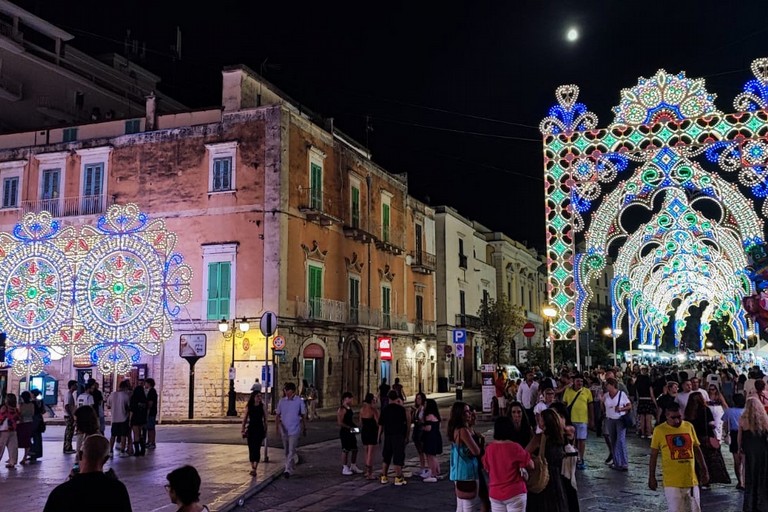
(447, 349)
(278, 343)
(529, 330)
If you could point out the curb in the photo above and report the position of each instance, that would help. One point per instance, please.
(234, 503)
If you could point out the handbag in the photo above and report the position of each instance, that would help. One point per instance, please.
(628, 419)
(714, 443)
(538, 477)
(41, 427)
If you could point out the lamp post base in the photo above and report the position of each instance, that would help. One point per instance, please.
(231, 408)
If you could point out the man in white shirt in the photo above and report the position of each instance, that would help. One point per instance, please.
(696, 389)
(528, 395)
(683, 394)
(549, 397)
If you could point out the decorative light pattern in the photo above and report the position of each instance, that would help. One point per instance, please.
(755, 95)
(107, 292)
(662, 124)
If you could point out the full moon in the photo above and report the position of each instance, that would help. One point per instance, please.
(572, 34)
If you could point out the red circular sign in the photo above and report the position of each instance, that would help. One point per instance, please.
(529, 330)
(447, 349)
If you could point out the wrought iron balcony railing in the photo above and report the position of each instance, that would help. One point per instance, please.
(323, 310)
(68, 206)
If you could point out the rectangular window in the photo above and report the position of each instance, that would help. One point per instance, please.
(522, 296)
(386, 311)
(11, 192)
(51, 192)
(509, 291)
(385, 222)
(69, 134)
(462, 303)
(598, 300)
(530, 299)
(419, 241)
(222, 174)
(93, 189)
(132, 126)
(419, 308)
(316, 187)
(355, 207)
(218, 290)
(315, 290)
(354, 300)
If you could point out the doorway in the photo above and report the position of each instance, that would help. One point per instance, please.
(353, 370)
(386, 372)
(421, 359)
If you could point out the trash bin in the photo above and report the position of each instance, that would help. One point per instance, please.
(459, 390)
(442, 384)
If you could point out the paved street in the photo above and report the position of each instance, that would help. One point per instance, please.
(318, 486)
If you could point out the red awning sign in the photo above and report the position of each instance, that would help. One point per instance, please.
(385, 349)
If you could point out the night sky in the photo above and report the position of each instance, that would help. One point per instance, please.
(454, 91)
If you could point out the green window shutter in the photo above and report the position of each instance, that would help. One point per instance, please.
(224, 288)
(385, 222)
(316, 184)
(315, 290)
(213, 291)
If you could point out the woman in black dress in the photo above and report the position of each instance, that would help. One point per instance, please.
(254, 429)
(369, 420)
(553, 498)
(432, 439)
(753, 444)
(699, 415)
(521, 429)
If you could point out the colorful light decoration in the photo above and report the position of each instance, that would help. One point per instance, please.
(662, 125)
(105, 294)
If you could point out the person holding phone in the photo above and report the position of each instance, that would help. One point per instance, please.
(347, 431)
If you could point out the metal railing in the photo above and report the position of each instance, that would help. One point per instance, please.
(469, 322)
(316, 200)
(324, 310)
(427, 327)
(68, 206)
(7, 31)
(424, 259)
(364, 316)
(393, 322)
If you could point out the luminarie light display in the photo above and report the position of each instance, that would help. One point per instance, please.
(667, 142)
(108, 292)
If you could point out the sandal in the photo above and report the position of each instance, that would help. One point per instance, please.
(252, 472)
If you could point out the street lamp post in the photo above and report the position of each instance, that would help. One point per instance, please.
(550, 313)
(236, 331)
(614, 333)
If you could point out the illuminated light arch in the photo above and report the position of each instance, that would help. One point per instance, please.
(662, 124)
(108, 292)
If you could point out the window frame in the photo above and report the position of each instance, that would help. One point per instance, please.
(222, 150)
(316, 158)
(93, 156)
(315, 311)
(355, 185)
(220, 253)
(386, 206)
(12, 169)
(135, 126)
(388, 313)
(72, 132)
(356, 306)
(49, 162)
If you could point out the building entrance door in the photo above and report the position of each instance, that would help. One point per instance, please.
(353, 370)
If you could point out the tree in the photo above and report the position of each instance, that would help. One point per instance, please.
(500, 321)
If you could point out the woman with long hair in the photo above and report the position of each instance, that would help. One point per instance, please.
(433, 440)
(553, 498)
(505, 460)
(417, 416)
(254, 429)
(521, 429)
(753, 445)
(464, 464)
(25, 429)
(369, 431)
(9, 419)
(717, 405)
(699, 415)
(617, 404)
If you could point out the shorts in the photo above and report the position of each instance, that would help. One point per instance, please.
(394, 450)
(348, 441)
(138, 421)
(120, 428)
(151, 422)
(683, 499)
(734, 446)
(581, 431)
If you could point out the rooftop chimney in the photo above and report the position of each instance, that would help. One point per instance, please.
(150, 122)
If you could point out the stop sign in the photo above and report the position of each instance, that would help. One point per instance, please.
(529, 330)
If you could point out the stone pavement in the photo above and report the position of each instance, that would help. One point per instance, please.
(223, 469)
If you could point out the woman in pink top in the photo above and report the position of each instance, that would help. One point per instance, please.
(506, 463)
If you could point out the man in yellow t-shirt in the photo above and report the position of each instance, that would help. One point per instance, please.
(679, 447)
(579, 400)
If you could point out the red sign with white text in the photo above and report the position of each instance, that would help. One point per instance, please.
(385, 349)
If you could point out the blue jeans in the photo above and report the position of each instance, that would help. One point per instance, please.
(618, 435)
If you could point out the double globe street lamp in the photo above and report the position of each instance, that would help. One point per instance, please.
(237, 330)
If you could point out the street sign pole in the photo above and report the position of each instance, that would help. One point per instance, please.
(266, 443)
(192, 361)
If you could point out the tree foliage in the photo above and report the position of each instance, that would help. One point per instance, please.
(500, 322)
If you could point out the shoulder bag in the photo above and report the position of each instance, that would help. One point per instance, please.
(628, 419)
(464, 472)
(570, 405)
(538, 477)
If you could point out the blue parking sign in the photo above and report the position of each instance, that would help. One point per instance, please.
(459, 336)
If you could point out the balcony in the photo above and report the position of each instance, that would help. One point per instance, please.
(423, 262)
(391, 322)
(391, 240)
(425, 327)
(10, 39)
(469, 322)
(317, 206)
(322, 310)
(463, 261)
(57, 111)
(10, 89)
(68, 206)
(364, 317)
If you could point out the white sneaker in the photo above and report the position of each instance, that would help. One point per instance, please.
(430, 479)
(356, 469)
(346, 471)
(424, 473)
